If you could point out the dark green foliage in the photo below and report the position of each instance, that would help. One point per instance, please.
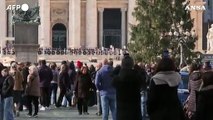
(154, 19)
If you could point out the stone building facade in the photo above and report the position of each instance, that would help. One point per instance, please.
(207, 20)
(79, 23)
(87, 23)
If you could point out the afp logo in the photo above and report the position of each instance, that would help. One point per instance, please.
(23, 7)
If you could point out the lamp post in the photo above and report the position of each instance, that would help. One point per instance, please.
(181, 36)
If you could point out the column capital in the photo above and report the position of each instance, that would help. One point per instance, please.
(101, 9)
(123, 9)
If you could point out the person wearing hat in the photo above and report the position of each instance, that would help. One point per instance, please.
(207, 66)
(79, 64)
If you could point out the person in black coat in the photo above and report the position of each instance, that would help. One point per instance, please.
(128, 85)
(64, 85)
(82, 86)
(1, 78)
(25, 73)
(163, 102)
(46, 76)
(205, 98)
(7, 95)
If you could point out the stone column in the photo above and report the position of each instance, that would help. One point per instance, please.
(40, 28)
(3, 23)
(200, 29)
(91, 24)
(26, 37)
(10, 26)
(70, 39)
(123, 27)
(44, 28)
(198, 24)
(211, 13)
(74, 23)
(131, 19)
(100, 10)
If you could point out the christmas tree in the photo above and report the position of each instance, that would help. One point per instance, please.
(161, 24)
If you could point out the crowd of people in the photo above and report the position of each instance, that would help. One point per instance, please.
(114, 89)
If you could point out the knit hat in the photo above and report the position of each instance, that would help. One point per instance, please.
(79, 64)
(207, 65)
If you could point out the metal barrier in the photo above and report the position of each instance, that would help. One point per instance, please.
(52, 51)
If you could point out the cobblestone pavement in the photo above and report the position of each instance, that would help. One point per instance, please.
(61, 114)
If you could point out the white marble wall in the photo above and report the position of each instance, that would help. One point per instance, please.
(130, 18)
(10, 26)
(91, 24)
(123, 27)
(44, 27)
(74, 23)
(100, 19)
(3, 22)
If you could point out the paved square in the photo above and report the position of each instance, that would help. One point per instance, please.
(61, 114)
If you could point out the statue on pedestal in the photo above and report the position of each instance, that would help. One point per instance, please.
(29, 17)
(26, 34)
(210, 40)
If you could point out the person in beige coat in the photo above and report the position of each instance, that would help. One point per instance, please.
(33, 90)
(18, 87)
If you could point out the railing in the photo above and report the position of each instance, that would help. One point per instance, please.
(7, 51)
(105, 51)
(69, 51)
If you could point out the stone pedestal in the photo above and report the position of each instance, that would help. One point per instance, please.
(209, 52)
(26, 52)
(26, 42)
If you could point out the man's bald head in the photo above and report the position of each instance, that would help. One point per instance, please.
(105, 62)
(99, 66)
(141, 64)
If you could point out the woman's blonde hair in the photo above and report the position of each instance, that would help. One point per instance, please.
(34, 69)
(64, 68)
